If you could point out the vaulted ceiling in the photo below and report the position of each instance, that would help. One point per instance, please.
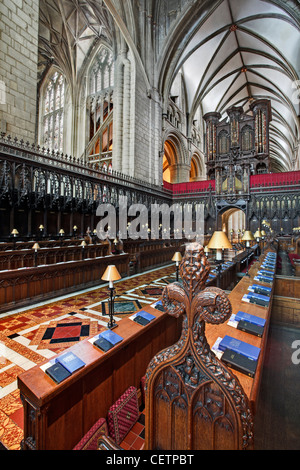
(67, 31)
(238, 51)
(247, 50)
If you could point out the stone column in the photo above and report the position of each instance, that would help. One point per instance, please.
(179, 173)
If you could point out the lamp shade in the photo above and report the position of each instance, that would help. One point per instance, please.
(206, 249)
(61, 231)
(219, 241)
(41, 227)
(257, 234)
(15, 232)
(83, 244)
(263, 233)
(248, 236)
(177, 257)
(111, 274)
(36, 246)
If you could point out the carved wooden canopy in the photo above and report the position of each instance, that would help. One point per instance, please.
(193, 401)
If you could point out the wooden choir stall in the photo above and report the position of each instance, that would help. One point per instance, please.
(192, 399)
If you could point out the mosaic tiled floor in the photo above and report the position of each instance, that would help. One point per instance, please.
(30, 336)
(135, 439)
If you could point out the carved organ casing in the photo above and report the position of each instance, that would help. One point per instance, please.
(237, 146)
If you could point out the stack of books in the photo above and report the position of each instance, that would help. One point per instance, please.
(257, 289)
(238, 355)
(158, 306)
(267, 270)
(264, 276)
(106, 340)
(257, 299)
(63, 366)
(142, 317)
(248, 323)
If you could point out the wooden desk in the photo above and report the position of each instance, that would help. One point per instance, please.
(57, 416)
(18, 287)
(250, 385)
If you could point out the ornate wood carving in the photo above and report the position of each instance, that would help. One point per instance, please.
(193, 401)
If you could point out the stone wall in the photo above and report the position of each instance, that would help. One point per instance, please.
(18, 67)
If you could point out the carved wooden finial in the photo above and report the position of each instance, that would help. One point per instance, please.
(193, 401)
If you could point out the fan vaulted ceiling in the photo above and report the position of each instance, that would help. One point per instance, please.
(247, 50)
(68, 30)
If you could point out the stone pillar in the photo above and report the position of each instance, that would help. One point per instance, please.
(179, 173)
(18, 67)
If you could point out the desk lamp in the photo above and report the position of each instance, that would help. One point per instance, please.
(219, 242)
(263, 236)
(111, 274)
(247, 237)
(36, 247)
(257, 236)
(83, 245)
(15, 233)
(177, 257)
(206, 251)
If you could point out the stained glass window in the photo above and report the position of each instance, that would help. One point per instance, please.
(54, 113)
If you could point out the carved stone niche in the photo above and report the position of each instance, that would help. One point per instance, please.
(193, 401)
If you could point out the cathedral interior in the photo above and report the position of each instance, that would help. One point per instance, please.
(192, 105)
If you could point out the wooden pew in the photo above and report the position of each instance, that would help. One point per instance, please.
(19, 287)
(57, 416)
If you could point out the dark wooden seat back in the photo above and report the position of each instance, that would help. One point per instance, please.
(193, 401)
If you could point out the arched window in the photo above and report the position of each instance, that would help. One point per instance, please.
(53, 119)
(100, 104)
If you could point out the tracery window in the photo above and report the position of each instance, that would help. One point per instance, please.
(53, 120)
(100, 104)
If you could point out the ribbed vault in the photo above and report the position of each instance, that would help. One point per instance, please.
(242, 51)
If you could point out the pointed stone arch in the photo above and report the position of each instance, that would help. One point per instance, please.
(176, 165)
(197, 168)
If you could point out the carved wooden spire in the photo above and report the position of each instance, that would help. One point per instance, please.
(193, 401)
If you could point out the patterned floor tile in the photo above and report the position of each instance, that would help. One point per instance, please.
(11, 435)
(10, 375)
(65, 333)
(23, 334)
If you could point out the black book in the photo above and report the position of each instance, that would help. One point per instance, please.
(57, 372)
(159, 307)
(239, 362)
(256, 330)
(103, 344)
(141, 320)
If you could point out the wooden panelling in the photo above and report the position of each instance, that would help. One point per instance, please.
(286, 310)
(287, 287)
(21, 286)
